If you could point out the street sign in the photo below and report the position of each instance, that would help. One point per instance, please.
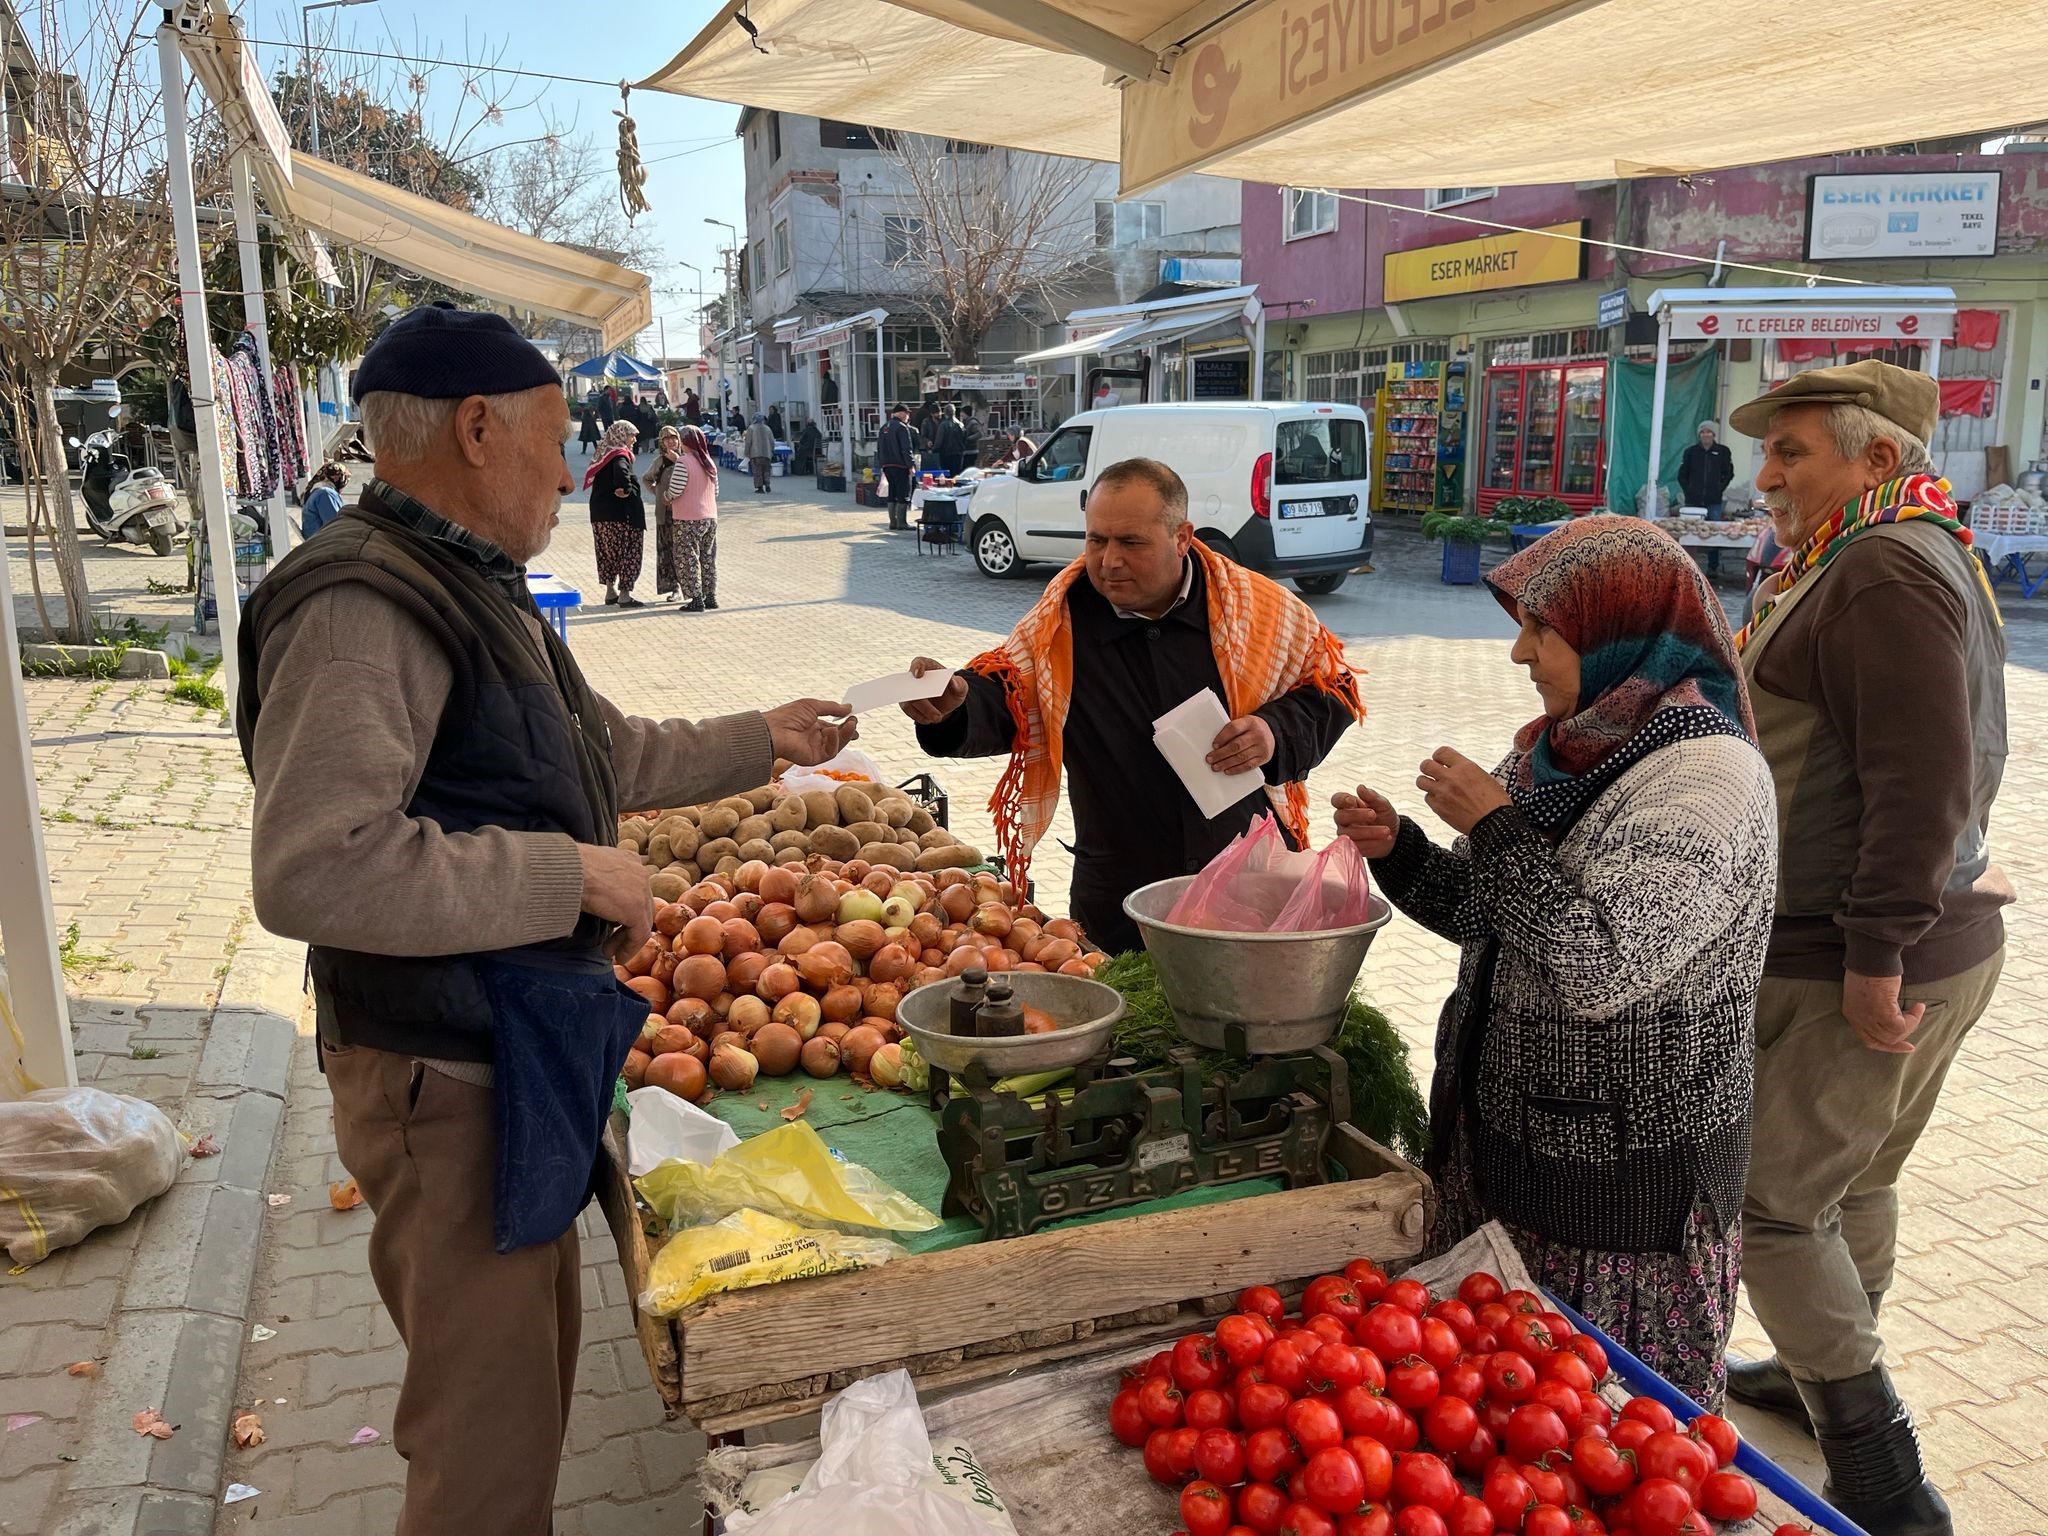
(1782, 322)
(724, 386)
(1614, 308)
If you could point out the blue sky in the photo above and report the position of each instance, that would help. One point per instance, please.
(693, 160)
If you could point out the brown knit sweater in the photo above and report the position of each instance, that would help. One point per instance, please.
(353, 688)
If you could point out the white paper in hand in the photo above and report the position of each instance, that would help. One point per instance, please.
(1184, 736)
(896, 688)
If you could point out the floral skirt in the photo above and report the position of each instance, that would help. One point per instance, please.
(618, 552)
(1672, 1311)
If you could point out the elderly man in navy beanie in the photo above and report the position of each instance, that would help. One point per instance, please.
(437, 794)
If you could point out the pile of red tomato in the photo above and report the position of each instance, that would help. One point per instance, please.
(1357, 1418)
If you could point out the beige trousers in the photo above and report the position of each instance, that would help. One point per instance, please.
(490, 1338)
(1834, 1125)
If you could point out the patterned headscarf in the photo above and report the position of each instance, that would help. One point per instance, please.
(698, 447)
(617, 443)
(1656, 663)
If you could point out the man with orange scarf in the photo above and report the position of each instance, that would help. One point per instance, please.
(1157, 619)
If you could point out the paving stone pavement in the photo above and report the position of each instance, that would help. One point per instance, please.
(814, 594)
(145, 811)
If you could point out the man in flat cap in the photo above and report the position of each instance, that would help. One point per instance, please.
(1876, 665)
(437, 792)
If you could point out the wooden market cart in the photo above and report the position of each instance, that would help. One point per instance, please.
(964, 1315)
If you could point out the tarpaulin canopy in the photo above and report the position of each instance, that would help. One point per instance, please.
(1358, 92)
(617, 365)
(469, 253)
(423, 236)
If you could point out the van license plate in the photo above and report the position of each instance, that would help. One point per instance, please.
(1328, 507)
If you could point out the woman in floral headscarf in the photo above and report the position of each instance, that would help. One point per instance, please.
(1611, 887)
(618, 520)
(668, 447)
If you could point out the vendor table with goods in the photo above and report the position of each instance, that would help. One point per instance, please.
(1044, 1443)
(1692, 532)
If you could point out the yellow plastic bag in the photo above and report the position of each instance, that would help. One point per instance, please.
(751, 1248)
(787, 1172)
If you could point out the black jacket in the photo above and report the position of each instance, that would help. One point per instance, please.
(949, 442)
(608, 507)
(1704, 474)
(521, 744)
(893, 448)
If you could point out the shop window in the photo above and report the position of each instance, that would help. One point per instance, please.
(833, 134)
(903, 238)
(1319, 448)
(1309, 212)
(1128, 223)
(912, 338)
(781, 247)
(1450, 197)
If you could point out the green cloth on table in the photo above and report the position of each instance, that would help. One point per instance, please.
(895, 1137)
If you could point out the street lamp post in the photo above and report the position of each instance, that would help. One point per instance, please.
(306, 44)
(738, 254)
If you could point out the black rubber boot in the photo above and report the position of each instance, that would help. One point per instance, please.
(1874, 1472)
(1768, 1385)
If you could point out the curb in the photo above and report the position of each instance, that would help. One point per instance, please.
(184, 1311)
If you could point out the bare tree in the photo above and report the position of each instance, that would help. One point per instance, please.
(978, 230)
(563, 189)
(87, 254)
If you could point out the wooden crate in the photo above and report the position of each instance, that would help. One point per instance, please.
(963, 1315)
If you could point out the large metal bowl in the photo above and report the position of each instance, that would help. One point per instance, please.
(1087, 1011)
(1287, 991)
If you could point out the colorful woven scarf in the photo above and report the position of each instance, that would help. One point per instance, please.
(1893, 502)
(1268, 642)
(1655, 660)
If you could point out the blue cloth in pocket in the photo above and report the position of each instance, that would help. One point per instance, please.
(561, 1025)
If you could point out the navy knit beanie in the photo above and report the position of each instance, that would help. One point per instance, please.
(439, 352)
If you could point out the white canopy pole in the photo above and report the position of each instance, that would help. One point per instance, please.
(213, 479)
(35, 969)
(1258, 358)
(1934, 359)
(257, 313)
(849, 401)
(1651, 504)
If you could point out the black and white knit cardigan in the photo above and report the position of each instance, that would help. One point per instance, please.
(1595, 1061)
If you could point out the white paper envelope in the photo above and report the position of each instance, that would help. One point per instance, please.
(1184, 736)
(896, 688)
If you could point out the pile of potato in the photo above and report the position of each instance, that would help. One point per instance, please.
(777, 968)
(873, 823)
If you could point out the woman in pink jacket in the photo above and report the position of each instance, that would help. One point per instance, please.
(689, 493)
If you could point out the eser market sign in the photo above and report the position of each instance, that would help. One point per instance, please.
(1909, 214)
(1782, 323)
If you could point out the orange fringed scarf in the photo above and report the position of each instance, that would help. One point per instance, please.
(1268, 642)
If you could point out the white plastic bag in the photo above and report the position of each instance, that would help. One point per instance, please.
(663, 1126)
(874, 1476)
(72, 1159)
(801, 781)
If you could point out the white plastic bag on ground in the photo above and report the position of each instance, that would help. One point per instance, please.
(72, 1159)
(663, 1126)
(875, 1476)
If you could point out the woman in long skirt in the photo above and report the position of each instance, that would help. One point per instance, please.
(693, 504)
(667, 449)
(1611, 887)
(618, 520)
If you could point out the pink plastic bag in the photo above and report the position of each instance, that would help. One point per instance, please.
(1333, 894)
(1259, 885)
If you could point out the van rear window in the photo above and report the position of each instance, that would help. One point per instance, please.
(1319, 448)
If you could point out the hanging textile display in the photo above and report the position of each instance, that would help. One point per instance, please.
(1966, 397)
(251, 443)
(293, 461)
(1689, 397)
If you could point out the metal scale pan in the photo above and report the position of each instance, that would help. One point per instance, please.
(1252, 993)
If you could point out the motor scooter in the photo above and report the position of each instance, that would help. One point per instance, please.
(123, 504)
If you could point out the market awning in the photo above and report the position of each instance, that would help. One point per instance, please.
(1358, 95)
(1118, 327)
(469, 253)
(1085, 346)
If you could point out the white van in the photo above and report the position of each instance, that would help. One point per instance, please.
(1282, 487)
